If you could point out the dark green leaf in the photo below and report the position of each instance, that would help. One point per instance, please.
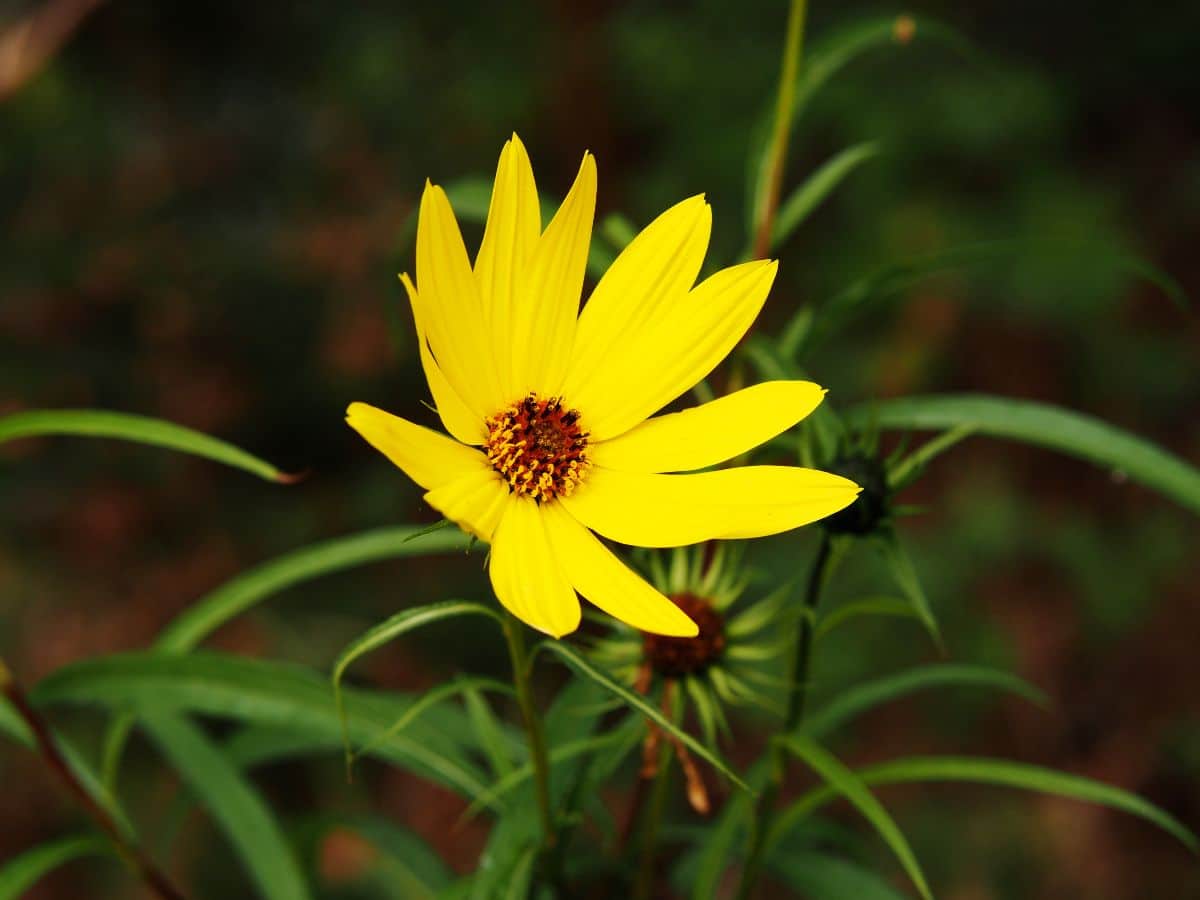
(1069, 432)
(233, 803)
(819, 876)
(995, 772)
(819, 185)
(849, 785)
(861, 698)
(138, 429)
(867, 606)
(20, 873)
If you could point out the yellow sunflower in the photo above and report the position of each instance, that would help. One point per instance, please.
(550, 406)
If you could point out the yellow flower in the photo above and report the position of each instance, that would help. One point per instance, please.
(550, 407)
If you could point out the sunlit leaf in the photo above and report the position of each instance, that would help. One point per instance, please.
(20, 873)
(820, 184)
(845, 782)
(234, 803)
(640, 703)
(137, 429)
(863, 697)
(1069, 432)
(999, 772)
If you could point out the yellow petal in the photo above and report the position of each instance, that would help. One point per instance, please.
(428, 458)
(674, 351)
(475, 501)
(514, 224)
(527, 577)
(648, 510)
(465, 425)
(652, 274)
(450, 309)
(711, 433)
(544, 316)
(607, 582)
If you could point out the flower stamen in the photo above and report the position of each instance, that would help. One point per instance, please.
(539, 447)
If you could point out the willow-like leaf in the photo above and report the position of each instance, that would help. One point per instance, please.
(905, 575)
(286, 697)
(863, 697)
(866, 607)
(137, 429)
(581, 666)
(999, 772)
(824, 877)
(391, 629)
(234, 803)
(842, 780)
(811, 193)
(1073, 433)
(22, 872)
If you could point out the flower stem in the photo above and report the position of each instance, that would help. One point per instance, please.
(513, 634)
(798, 682)
(133, 855)
(771, 183)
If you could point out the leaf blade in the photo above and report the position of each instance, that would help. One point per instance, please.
(22, 872)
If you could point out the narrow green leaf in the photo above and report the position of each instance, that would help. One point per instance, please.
(241, 593)
(489, 731)
(863, 697)
(721, 846)
(286, 697)
(12, 725)
(819, 876)
(904, 472)
(868, 606)
(999, 772)
(20, 873)
(139, 430)
(894, 279)
(410, 865)
(389, 630)
(1069, 432)
(574, 661)
(234, 804)
(905, 575)
(850, 786)
(820, 184)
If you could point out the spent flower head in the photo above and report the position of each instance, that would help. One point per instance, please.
(550, 407)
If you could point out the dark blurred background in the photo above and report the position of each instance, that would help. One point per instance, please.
(202, 216)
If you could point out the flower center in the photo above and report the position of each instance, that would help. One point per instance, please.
(538, 446)
(676, 656)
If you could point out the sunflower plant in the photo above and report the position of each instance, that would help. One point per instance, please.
(591, 431)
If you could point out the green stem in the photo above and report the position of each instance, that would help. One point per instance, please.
(513, 634)
(772, 182)
(798, 683)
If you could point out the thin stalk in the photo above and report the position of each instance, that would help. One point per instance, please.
(771, 186)
(651, 818)
(138, 861)
(514, 636)
(798, 683)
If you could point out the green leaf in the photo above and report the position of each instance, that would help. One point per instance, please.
(20, 873)
(233, 803)
(907, 470)
(489, 731)
(638, 702)
(410, 866)
(851, 786)
(12, 724)
(283, 696)
(720, 848)
(389, 630)
(998, 772)
(1069, 432)
(905, 575)
(819, 185)
(241, 593)
(868, 606)
(138, 429)
(863, 697)
(892, 280)
(819, 876)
